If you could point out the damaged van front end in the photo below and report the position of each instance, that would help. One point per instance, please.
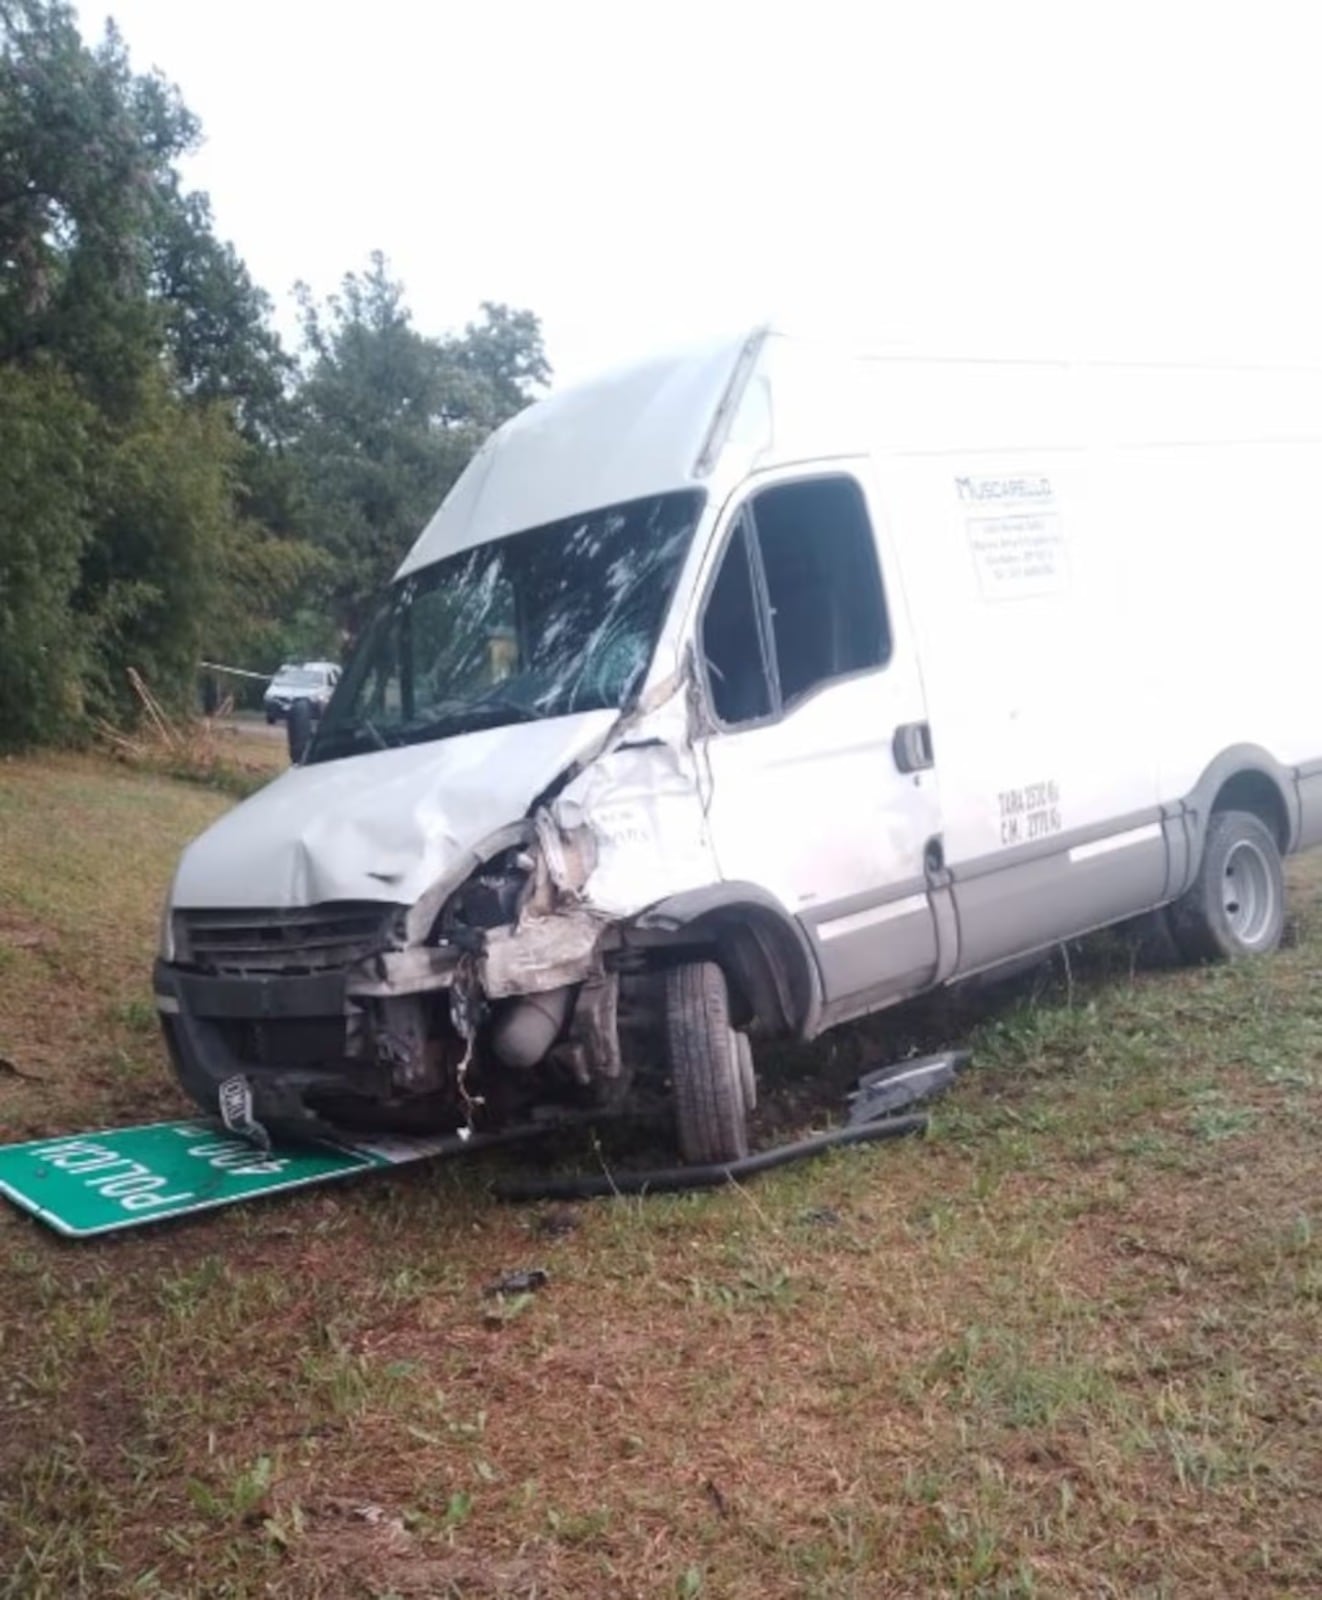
(487, 896)
(491, 998)
(457, 911)
(363, 1010)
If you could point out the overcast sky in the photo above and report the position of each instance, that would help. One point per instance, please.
(1109, 178)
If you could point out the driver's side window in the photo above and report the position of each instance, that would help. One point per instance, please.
(797, 600)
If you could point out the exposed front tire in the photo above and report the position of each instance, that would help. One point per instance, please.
(1236, 906)
(711, 1066)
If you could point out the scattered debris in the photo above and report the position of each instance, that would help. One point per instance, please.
(524, 1280)
(679, 1180)
(713, 1492)
(557, 1223)
(378, 1517)
(873, 1105)
(197, 748)
(886, 1090)
(821, 1217)
(117, 1178)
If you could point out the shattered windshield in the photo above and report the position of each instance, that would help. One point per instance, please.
(549, 622)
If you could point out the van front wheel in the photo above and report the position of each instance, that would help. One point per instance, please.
(1236, 906)
(710, 1066)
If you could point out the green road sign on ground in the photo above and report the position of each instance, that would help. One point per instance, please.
(94, 1183)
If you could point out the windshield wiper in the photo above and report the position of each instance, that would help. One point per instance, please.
(348, 739)
(441, 724)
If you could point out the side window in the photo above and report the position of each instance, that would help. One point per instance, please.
(823, 584)
(797, 600)
(732, 637)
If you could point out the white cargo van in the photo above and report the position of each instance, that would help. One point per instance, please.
(747, 691)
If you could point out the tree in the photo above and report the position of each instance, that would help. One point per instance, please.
(145, 406)
(152, 576)
(217, 327)
(171, 483)
(389, 418)
(44, 526)
(503, 354)
(86, 150)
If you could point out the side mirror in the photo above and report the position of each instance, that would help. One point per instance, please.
(298, 725)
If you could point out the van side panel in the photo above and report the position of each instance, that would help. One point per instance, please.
(1103, 607)
(1044, 745)
(1020, 905)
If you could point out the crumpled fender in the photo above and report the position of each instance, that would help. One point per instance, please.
(642, 807)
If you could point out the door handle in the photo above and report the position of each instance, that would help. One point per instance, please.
(912, 747)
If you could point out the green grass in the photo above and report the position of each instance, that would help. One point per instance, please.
(1067, 1344)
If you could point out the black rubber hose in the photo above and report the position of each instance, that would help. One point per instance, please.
(675, 1180)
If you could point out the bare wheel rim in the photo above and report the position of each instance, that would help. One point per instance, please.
(1248, 893)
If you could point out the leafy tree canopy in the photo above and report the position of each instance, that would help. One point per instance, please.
(173, 484)
(388, 418)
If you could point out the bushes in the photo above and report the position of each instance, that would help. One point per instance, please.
(154, 565)
(113, 545)
(44, 529)
(172, 487)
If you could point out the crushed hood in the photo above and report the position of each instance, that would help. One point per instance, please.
(382, 826)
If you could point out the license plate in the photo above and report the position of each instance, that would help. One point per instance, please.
(235, 1099)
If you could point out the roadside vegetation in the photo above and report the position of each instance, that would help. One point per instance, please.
(176, 486)
(1068, 1344)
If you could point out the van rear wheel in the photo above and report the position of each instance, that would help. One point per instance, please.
(1236, 906)
(711, 1066)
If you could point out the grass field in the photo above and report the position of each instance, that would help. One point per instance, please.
(1067, 1345)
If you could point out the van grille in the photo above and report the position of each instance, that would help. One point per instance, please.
(318, 939)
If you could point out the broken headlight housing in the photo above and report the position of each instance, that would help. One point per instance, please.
(491, 898)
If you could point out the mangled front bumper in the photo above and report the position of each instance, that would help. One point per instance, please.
(508, 959)
(285, 1035)
(365, 1033)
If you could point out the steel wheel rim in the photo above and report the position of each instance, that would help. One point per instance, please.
(1248, 893)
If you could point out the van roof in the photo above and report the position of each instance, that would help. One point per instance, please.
(709, 414)
(626, 434)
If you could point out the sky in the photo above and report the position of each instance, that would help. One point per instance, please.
(1107, 179)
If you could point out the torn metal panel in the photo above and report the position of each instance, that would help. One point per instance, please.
(425, 910)
(569, 856)
(399, 972)
(592, 1046)
(540, 953)
(886, 1090)
(405, 1045)
(642, 803)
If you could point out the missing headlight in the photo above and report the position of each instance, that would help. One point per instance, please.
(491, 898)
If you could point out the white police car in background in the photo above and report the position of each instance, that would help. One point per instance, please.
(313, 681)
